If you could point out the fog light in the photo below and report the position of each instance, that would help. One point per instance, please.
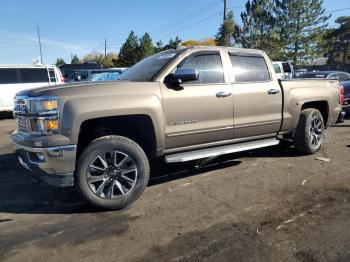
(51, 124)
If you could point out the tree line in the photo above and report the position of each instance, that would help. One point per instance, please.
(294, 30)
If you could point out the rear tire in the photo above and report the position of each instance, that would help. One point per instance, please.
(309, 134)
(112, 172)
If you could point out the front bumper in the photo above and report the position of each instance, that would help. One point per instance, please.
(54, 165)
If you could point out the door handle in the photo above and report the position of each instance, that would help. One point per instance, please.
(273, 91)
(223, 94)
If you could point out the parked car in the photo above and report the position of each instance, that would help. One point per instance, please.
(90, 75)
(15, 78)
(177, 105)
(283, 69)
(344, 79)
(299, 72)
(104, 76)
(68, 69)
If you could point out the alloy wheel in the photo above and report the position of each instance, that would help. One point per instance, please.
(112, 174)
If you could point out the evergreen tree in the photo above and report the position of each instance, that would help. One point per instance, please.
(173, 44)
(258, 26)
(338, 41)
(75, 60)
(226, 31)
(59, 62)
(302, 24)
(146, 47)
(159, 46)
(128, 54)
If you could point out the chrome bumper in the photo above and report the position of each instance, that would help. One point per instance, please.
(54, 165)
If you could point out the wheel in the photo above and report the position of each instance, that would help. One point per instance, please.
(112, 172)
(309, 134)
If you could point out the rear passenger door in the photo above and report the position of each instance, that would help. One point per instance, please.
(257, 97)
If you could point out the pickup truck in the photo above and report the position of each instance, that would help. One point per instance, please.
(177, 105)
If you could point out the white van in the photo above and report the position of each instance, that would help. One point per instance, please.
(283, 69)
(15, 78)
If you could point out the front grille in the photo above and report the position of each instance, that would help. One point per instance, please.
(20, 113)
(22, 124)
(21, 106)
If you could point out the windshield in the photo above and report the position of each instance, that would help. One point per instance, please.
(147, 68)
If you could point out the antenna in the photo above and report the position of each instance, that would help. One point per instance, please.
(41, 54)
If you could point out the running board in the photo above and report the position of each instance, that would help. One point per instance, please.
(216, 151)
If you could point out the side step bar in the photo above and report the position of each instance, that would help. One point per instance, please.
(216, 151)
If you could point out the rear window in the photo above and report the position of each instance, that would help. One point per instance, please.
(249, 68)
(8, 76)
(33, 75)
(286, 68)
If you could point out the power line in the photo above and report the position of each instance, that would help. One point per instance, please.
(337, 10)
(194, 24)
(168, 14)
(182, 20)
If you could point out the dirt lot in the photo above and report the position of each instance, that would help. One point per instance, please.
(264, 205)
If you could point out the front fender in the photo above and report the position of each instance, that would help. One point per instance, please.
(78, 110)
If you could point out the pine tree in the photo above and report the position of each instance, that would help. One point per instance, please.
(338, 41)
(302, 24)
(146, 47)
(128, 54)
(59, 62)
(75, 60)
(225, 35)
(173, 44)
(258, 26)
(159, 46)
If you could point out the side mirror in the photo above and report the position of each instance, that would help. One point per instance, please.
(186, 74)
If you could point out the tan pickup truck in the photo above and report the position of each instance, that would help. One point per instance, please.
(178, 105)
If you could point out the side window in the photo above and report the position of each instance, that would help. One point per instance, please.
(33, 75)
(209, 67)
(277, 68)
(286, 68)
(249, 68)
(9, 76)
(52, 75)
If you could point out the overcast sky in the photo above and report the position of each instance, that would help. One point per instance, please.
(79, 27)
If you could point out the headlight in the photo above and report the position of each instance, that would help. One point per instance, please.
(44, 115)
(42, 106)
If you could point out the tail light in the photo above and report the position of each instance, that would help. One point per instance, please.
(341, 87)
(61, 76)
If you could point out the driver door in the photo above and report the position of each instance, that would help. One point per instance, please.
(200, 112)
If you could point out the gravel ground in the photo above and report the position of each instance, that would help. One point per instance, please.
(265, 205)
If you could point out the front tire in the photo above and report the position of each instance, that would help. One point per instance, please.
(112, 172)
(309, 134)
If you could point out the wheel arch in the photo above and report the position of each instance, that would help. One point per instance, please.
(138, 127)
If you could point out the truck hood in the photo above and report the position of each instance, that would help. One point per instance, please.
(80, 88)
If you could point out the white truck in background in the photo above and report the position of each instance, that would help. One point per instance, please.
(283, 69)
(16, 78)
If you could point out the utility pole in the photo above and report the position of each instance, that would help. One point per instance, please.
(105, 47)
(225, 6)
(41, 54)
